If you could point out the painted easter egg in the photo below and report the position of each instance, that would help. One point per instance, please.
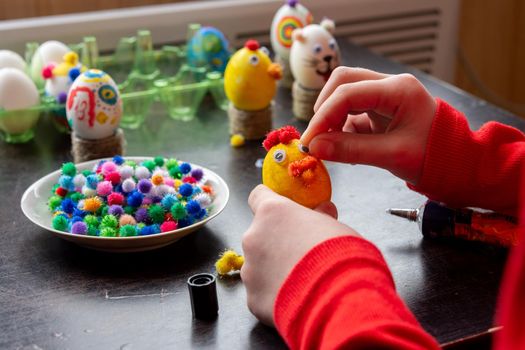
(290, 171)
(94, 106)
(314, 54)
(59, 78)
(10, 59)
(17, 92)
(209, 47)
(49, 52)
(289, 17)
(250, 78)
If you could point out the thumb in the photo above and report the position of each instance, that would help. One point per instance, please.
(345, 147)
(327, 208)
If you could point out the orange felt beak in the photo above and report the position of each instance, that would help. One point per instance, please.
(298, 167)
(275, 71)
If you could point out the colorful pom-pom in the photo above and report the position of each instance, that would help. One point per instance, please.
(178, 211)
(91, 220)
(66, 182)
(127, 219)
(150, 165)
(92, 204)
(207, 189)
(118, 160)
(197, 174)
(156, 213)
(149, 230)
(60, 223)
(186, 190)
(115, 210)
(79, 181)
(168, 201)
(185, 168)
(104, 188)
(128, 185)
(79, 228)
(168, 226)
(108, 232)
(237, 140)
(113, 177)
(189, 180)
(115, 198)
(168, 181)
(92, 231)
(203, 199)
(126, 172)
(142, 172)
(157, 179)
(135, 199)
(141, 215)
(201, 214)
(144, 186)
(193, 207)
(68, 206)
(109, 221)
(54, 202)
(108, 167)
(69, 169)
(229, 261)
(92, 181)
(47, 71)
(171, 163)
(60, 191)
(159, 161)
(175, 172)
(88, 192)
(187, 221)
(127, 231)
(129, 210)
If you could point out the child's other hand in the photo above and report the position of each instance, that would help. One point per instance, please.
(281, 233)
(366, 117)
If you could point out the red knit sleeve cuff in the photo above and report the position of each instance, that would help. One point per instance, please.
(321, 261)
(449, 156)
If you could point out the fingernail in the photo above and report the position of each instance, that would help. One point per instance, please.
(322, 147)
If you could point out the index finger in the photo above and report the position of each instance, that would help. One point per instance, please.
(257, 195)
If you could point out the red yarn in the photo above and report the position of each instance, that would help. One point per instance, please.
(252, 45)
(189, 179)
(283, 135)
(62, 192)
(168, 226)
(113, 177)
(115, 198)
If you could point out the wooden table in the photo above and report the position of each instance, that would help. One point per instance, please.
(56, 295)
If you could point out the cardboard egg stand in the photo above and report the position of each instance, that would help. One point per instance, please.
(144, 75)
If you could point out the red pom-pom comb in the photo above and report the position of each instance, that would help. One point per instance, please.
(283, 135)
(252, 45)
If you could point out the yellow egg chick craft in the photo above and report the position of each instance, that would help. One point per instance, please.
(250, 85)
(290, 171)
(94, 109)
(313, 57)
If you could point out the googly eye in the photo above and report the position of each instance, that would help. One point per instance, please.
(303, 148)
(317, 49)
(332, 44)
(254, 60)
(265, 50)
(279, 156)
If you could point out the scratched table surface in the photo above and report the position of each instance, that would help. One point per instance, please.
(56, 295)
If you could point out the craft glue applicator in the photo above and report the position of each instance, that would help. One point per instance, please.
(438, 221)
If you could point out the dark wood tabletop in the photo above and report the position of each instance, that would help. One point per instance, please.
(56, 295)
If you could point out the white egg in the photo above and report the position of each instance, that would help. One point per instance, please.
(314, 54)
(10, 59)
(17, 93)
(49, 52)
(94, 106)
(290, 16)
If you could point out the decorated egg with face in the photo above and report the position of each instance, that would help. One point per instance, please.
(94, 106)
(314, 54)
(209, 47)
(289, 17)
(49, 52)
(250, 78)
(59, 78)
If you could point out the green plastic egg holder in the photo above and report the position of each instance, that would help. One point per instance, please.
(144, 75)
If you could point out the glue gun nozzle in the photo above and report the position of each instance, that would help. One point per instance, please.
(410, 214)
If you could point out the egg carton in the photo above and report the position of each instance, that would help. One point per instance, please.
(144, 76)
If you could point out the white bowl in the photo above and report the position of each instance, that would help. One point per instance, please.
(34, 206)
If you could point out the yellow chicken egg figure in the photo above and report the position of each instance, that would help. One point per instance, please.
(250, 78)
(290, 171)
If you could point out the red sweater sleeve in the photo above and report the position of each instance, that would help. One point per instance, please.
(463, 168)
(341, 295)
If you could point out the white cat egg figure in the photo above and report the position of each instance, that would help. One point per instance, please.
(94, 106)
(59, 78)
(289, 17)
(314, 54)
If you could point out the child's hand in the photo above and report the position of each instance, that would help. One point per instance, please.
(371, 118)
(281, 233)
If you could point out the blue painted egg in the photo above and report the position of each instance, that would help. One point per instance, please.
(209, 47)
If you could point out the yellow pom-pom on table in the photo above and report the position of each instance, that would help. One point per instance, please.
(229, 261)
(237, 140)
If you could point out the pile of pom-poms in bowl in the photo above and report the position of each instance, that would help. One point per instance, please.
(123, 198)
